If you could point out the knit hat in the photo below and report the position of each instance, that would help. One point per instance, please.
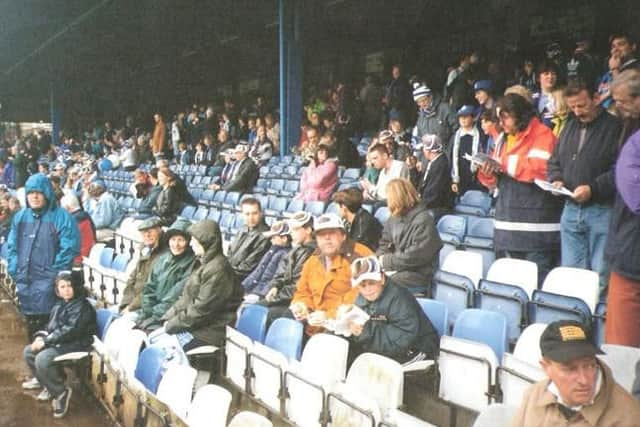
(420, 90)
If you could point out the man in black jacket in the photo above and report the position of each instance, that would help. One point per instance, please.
(583, 162)
(244, 173)
(250, 244)
(435, 182)
(361, 226)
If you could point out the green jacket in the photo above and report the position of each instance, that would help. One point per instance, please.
(132, 295)
(164, 285)
(211, 295)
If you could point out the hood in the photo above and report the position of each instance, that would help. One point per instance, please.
(207, 232)
(41, 183)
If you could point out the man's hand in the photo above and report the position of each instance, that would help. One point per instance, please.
(557, 184)
(582, 193)
(37, 344)
(490, 167)
(454, 188)
(271, 295)
(317, 318)
(355, 329)
(299, 311)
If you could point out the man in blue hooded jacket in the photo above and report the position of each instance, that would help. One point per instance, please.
(44, 239)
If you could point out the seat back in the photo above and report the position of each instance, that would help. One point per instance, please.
(515, 376)
(464, 263)
(104, 317)
(377, 377)
(455, 291)
(474, 202)
(528, 345)
(252, 322)
(315, 208)
(176, 387)
(210, 407)
(200, 213)
(106, 257)
(452, 229)
(437, 313)
(149, 368)
(479, 232)
(547, 307)
(496, 415)
(285, 336)
(249, 419)
(295, 205)
(574, 282)
(128, 351)
(488, 327)
(622, 360)
(236, 347)
(267, 365)
(119, 328)
(515, 272)
(188, 211)
(509, 300)
(599, 319)
(382, 214)
(120, 262)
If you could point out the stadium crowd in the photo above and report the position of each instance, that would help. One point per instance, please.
(563, 121)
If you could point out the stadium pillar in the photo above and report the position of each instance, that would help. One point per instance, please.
(290, 34)
(55, 115)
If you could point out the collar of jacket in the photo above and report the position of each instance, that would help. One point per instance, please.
(591, 413)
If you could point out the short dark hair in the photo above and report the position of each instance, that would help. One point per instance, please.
(622, 35)
(252, 201)
(154, 172)
(380, 148)
(351, 198)
(548, 66)
(489, 115)
(519, 108)
(577, 85)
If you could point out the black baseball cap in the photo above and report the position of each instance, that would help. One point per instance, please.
(566, 340)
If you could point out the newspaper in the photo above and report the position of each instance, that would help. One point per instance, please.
(477, 159)
(340, 325)
(547, 186)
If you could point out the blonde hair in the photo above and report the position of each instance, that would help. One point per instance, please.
(562, 109)
(401, 196)
(520, 90)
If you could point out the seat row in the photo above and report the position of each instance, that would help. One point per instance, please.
(106, 272)
(466, 232)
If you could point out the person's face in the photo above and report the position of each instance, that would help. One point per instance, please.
(151, 236)
(322, 155)
(36, 200)
(312, 137)
(548, 80)
(576, 380)
(394, 126)
(466, 122)
(239, 155)
(279, 240)
(378, 160)
(13, 205)
(252, 124)
(481, 96)
(330, 241)
(4, 203)
(370, 289)
(300, 235)
(65, 290)
(156, 117)
(177, 244)
(162, 178)
(315, 119)
(424, 102)
(251, 215)
(487, 126)
(627, 104)
(261, 132)
(395, 72)
(583, 106)
(197, 247)
(508, 123)
(42, 169)
(621, 47)
(528, 67)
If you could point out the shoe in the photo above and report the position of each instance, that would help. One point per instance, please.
(32, 384)
(44, 395)
(61, 403)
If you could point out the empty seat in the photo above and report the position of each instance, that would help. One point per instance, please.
(517, 272)
(149, 368)
(455, 291)
(214, 215)
(488, 327)
(509, 300)
(237, 347)
(574, 282)
(315, 208)
(437, 313)
(176, 387)
(249, 419)
(210, 407)
(290, 188)
(547, 307)
(277, 206)
(188, 212)
(200, 214)
(622, 360)
(452, 229)
(479, 232)
(332, 208)
(231, 200)
(515, 376)
(285, 336)
(464, 263)
(252, 322)
(474, 202)
(294, 206)
(261, 185)
(218, 199)
(350, 175)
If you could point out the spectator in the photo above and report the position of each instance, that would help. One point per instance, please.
(184, 155)
(143, 151)
(176, 133)
(466, 141)
(397, 327)
(243, 175)
(410, 243)
(199, 157)
(527, 222)
(104, 210)
(87, 230)
(370, 98)
(583, 162)
(397, 96)
(528, 76)
(309, 148)
(153, 246)
(170, 199)
(579, 388)
(211, 295)
(20, 162)
(483, 90)
(32, 265)
(71, 327)
(435, 183)
(544, 101)
(604, 93)
(159, 137)
(273, 131)
(210, 151)
(623, 245)
(283, 283)
(561, 115)
(250, 244)
(414, 173)
(225, 174)
(624, 47)
(389, 169)
(401, 139)
(325, 283)
(491, 128)
(434, 116)
(259, 280)
(129, 157)
(360, 225)
(340, 147)
(166, 279)
(320, 177)
(261, 148)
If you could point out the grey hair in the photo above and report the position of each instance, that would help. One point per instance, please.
(70, 201)
(629, 79)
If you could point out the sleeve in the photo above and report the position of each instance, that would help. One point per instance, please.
(628, 175)
(101, 215)
(73, 327)
(172, 295)
(303, 291)
(69, 238)
(424, 245)
(534, 164)
(247, 282)
(251, 260)
(12, 246)
(149, 292)
(554, 166)
(278, 279)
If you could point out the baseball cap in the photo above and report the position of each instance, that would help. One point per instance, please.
(328, 222)
(466, 110)
(566, 340)
(299, 219)
(148, 223)
(366, 268)
(485, 85)
(278, 228)
(430, 142)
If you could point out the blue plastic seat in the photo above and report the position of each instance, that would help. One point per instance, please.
(263, 172)
(188, 212)
(290, 188)
(226, 221)
(437, 313)
(452, 229)
(238, 223)
(285, 160)
(214, 215)
(218, 199)
(285, 336)
(252, 322)
(547, 307)
(294, 206)
(231, 200)
(106, 257)
(200, 214)
(455, 291)
(332, 208)
(315, 208)
(382, 214)
(120, 262)
(275, 186)
(149, 367)
(277, 206)
(206, 197)
(104, 317)
(275, 172)
(488, 327)
(264, 200)
(479, 232)
(599, 319)
(261, 186)
(510, 300)
(290, 172)
(205, 181)
(350, 175)
(196, 180)
(474, 202)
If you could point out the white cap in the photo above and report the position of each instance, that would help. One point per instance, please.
(328, 221)
(299, 219)
(366, 268)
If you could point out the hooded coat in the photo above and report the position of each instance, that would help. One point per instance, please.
(41, 243)
(211, 295)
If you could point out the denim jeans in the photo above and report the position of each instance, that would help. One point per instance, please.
(41, 364)
(584, 232)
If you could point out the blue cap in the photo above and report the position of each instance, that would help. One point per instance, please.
(485, 85)
(466, 110)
